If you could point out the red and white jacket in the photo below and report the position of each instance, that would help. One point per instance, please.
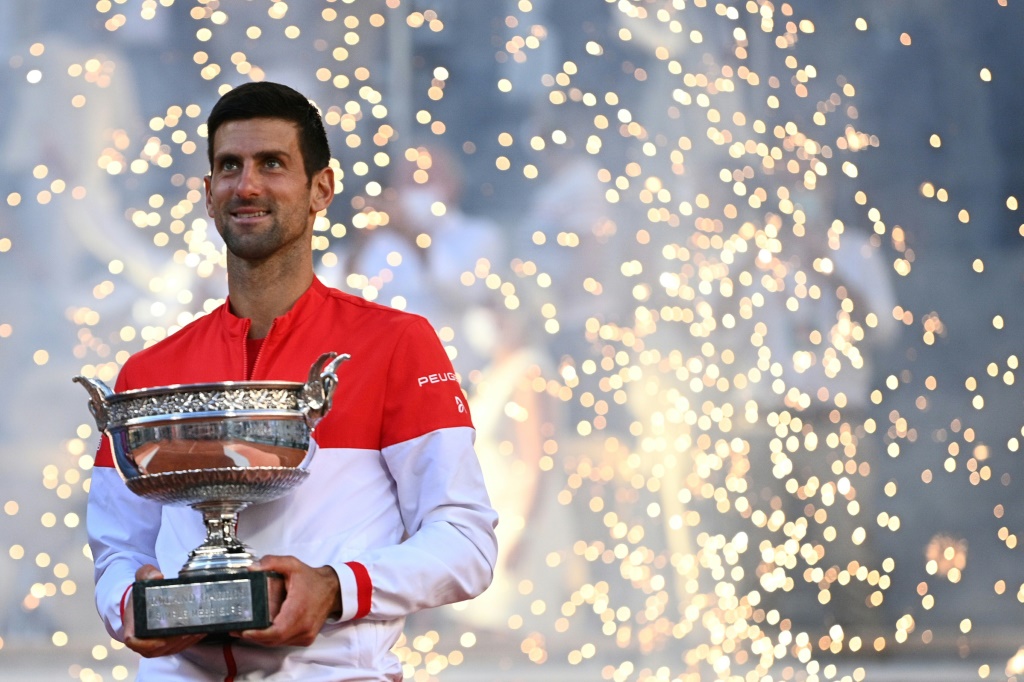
(395, 501)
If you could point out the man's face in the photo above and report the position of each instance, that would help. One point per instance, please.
(257, 192)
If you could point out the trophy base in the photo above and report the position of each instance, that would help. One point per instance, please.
(210, 604)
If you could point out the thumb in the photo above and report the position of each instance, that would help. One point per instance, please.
(148, 572)
(268, 562)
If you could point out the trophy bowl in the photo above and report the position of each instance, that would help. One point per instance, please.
(218, 448)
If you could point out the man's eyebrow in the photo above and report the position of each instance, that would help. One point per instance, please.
(260, 155)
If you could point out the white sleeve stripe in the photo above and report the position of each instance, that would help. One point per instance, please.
(349, 592)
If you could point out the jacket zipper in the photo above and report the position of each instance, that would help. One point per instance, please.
(263, 344)
(229, 655)
(245, 350)
(229, 661)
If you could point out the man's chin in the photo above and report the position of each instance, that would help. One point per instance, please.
(254, 249)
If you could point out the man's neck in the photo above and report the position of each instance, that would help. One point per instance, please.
(265, 291)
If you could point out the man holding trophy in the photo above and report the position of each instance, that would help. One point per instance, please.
(393, 515)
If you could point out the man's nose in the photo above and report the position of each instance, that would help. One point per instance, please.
(248, 181)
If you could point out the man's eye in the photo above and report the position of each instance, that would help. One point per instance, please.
(229, 166)
(273, 163)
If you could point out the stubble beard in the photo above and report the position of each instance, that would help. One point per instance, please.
(255, 246)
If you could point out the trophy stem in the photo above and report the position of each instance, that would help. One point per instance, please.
(222, 551)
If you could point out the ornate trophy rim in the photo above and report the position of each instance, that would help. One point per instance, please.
(172, 389)
(281, 399)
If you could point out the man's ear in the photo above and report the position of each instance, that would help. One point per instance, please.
(206, 186)
(322, 189)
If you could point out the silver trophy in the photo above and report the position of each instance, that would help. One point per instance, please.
(217, 447)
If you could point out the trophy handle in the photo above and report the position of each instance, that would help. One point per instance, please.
(319, 388)
(99, 393)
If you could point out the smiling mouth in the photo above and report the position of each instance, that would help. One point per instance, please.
(250, 214)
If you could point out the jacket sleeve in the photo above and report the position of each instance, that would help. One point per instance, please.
(427, 446)
(122, 531)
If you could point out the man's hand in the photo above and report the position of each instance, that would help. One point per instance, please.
(311, 595)
(160, 646)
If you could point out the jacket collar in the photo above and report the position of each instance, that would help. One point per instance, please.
(306, 305)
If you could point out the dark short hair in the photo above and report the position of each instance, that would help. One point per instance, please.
(273, 100)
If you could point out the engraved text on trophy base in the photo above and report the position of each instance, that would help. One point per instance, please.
(174, 606)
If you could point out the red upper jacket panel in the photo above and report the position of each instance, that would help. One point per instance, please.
(389, 348)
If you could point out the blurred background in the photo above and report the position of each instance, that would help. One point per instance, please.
(730, 286)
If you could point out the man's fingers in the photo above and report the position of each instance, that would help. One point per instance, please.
(273, 635)
(290, 628)
(159, 646)
(310, 594)
(152, 648)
